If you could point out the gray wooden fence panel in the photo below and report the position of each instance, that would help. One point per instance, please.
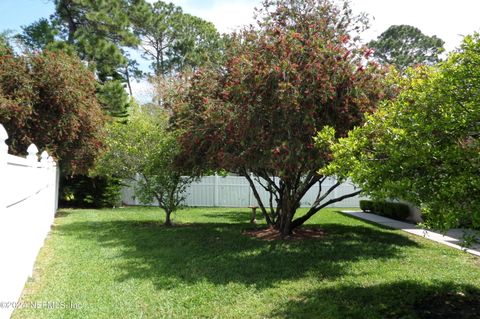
(234, 191)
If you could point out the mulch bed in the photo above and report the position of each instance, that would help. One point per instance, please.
(270, 234)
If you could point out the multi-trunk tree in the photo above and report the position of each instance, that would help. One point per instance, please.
(298, 72)
(424, 146)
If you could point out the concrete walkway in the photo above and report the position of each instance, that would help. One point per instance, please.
(452, 238)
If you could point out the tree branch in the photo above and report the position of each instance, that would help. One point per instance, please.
(257, 197)
(313, 210)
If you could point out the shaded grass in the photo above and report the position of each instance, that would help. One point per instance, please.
(124, 263)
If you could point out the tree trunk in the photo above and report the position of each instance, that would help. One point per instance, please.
(288, 199)
(257, 197)
(287, 211)
(129, 85)
(168, 221)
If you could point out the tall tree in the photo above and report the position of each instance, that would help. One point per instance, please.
(174, 40)
(39, 35)
(99, 29)
(424, 146)
(405, 45)
(298, 72)
(49, 99)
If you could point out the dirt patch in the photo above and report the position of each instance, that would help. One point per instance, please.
(477, 261)
(298, 234)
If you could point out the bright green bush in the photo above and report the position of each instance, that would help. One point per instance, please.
(424, 145)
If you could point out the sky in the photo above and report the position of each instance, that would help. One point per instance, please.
(447, 19)
(17, 13)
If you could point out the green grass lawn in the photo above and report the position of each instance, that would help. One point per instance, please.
(123, 263)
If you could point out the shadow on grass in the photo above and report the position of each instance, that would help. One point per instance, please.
(233, 216)
(404, 299)
(219, 254)
(62, 213)
(365, 221)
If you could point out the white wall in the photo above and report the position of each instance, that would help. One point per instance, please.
(28, 202)
(234, 191)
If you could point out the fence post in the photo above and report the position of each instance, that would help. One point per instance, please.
(57, 183)
(45, 167)
(32, 151)
(44, 159)
(3, 166)
(215, 194)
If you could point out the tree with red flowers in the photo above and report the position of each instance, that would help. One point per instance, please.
(49, 99)
(298, 72)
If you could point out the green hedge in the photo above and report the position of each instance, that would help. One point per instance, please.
(81, 191)
(388, 209)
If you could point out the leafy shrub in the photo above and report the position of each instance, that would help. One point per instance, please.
(379, 208)
(391, 155)
(366, 205)
(89, 192)
(399, 210)
(388, 209)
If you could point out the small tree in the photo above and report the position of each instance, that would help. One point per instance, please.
(298, 72)
(404, 46)
(144, 148)
(424, 146)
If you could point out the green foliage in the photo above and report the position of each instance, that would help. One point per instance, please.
(5, 47)
(143, 147)
(404, 46)
(39, 35)
(199, 44)
(98, 30)
(366, 205)
(297, 72)
(174, 41)
(393, 210)
(114, 98)
(89, 192)
(424, 146)
(49, 99)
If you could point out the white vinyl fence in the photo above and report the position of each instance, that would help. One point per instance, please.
(234, 191)
(28, 202)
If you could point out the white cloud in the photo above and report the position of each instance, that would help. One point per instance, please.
(449, 20)
(226, 15)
